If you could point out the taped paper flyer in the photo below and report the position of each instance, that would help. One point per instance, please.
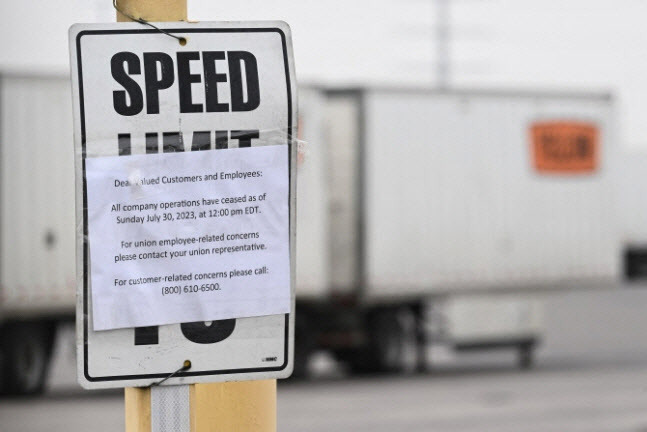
(183, 237)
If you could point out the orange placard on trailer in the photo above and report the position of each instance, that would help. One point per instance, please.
(564, 147)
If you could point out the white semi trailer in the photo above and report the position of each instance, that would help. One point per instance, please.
(37, 264)
(406, 199)
(632, 200)
(458, 200)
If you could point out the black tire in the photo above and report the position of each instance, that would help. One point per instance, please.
(392, 333)
(26, 350)
(526, 355)
(303, 346)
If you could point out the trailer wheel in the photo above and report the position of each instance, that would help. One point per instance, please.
(303, 346)
(392, 343)
(525, 355)
(26, 351)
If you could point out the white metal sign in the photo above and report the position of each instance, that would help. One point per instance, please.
(208, 242)
(185, 179)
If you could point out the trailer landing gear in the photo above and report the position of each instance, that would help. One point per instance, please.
(391, 345)
(25, 351)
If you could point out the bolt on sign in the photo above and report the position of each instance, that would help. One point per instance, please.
(565, 147)
(185, 183)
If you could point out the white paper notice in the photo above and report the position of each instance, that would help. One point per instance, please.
(185, 237)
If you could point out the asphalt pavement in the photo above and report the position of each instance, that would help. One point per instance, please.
(591, 375)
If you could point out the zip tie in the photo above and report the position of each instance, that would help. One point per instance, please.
(185, 366)
(181, 39)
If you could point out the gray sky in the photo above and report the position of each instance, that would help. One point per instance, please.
(529, 44)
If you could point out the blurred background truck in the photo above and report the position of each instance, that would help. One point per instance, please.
(632, 197)
(427, 215)
(37, 246)
(422, 216)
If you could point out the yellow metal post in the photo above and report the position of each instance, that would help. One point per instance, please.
(247, 406)
(138, 409)
(152, 10)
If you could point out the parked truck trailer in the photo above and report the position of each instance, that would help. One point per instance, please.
(464, 200)
(37, 266)
(631, 194)
(406, 198)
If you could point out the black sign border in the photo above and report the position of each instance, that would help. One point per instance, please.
(85, 198)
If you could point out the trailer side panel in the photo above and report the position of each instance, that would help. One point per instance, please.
(37, 191)
(453, 199)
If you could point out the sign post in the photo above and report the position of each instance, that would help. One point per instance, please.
(187, 255)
